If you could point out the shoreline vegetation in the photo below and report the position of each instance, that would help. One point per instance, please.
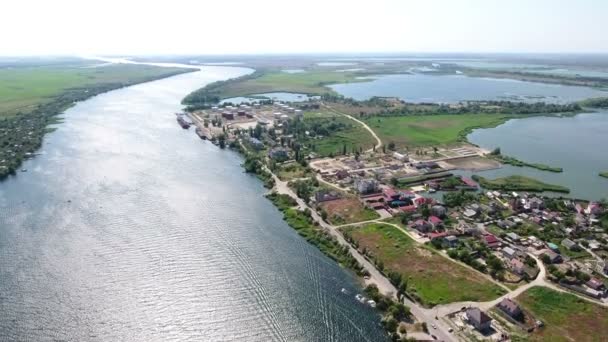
(22, 128)
(518, 183)
(604, 174)
(496, 154)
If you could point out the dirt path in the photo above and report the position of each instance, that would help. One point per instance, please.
(378, 141)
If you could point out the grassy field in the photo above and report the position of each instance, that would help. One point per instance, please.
(347, 210)
(22, 88)
(432, 278)
(292, 171)
(518, 183)
(312, 83)
(354, 137)
(566, 317)
(425, 130)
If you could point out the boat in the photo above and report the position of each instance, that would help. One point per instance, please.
(345, 291)
(184, 121)
(371, 303)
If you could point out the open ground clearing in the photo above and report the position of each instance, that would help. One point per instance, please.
(347, 210)
(431, 277)
(565, 316)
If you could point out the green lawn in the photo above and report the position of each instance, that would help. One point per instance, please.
(22, 88)
(428, 130)
(566, 317)
(432, 278)
(518, 183)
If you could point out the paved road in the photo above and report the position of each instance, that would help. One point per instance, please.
(384, 285)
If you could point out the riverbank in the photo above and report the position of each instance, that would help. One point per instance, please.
(604, 174)
(22, 133)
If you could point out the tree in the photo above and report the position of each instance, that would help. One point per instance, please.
(391, 146)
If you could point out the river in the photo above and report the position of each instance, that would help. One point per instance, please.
(128, 228)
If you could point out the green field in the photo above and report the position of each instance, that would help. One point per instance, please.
(22, 88)
(566, 317)
(518, 183)
(429, 130)
(353, 136)
(312, 83)
(432, 278)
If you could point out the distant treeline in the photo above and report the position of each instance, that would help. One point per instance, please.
(597, 102)
(211, 94)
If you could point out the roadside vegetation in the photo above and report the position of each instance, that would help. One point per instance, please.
(565, 316)
(417, 271)
(303, 223)
(518, 183)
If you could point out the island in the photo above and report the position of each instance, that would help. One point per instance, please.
(518, 183)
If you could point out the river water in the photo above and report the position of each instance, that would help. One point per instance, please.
(128, 228)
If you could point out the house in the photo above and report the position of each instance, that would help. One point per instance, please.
(596, 284)
(228, 115)
(510, 308)
(490, 240)
(436, 222)
(325, 196)
(469, 213)
(451, 241)
(554, 258)
(553, 246)
(255, 143)
(422, 226)
(278, 153)
(366, 186)
(517, 266)
(437, 235)
(506, 224)
(390, 194)
(509, 252)
(571, 245)
(513, 237)
(479, 319)
(438, 210)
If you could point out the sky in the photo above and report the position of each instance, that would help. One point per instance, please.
(85, 27)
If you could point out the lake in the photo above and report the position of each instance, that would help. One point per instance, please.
(455, 88)
(129, 228)
(577, 144)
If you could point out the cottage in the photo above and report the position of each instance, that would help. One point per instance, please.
(479, 319)
(510, 308)
(366, 186)
(438, 210)
(491, 241)
(513, 237)
(422, 226)
(436, 222)
(451, 241)
(325, 196)
(596, 284)
(509, 252)
(278, 153)
(571, 245)
(554, 258)
(517, 266)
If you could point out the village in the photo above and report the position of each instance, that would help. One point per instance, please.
(516, 239)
